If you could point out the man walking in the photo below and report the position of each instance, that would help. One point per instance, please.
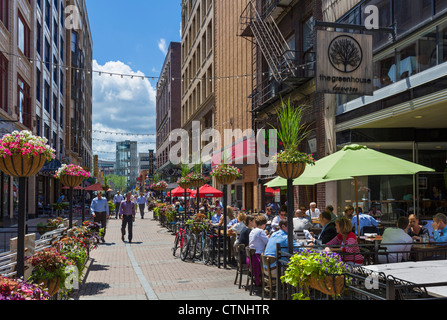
(100, 211)
(141, 201)
(127, 215)
(117, 199)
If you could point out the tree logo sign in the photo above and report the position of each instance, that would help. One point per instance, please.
(345, 54)
(344, 63)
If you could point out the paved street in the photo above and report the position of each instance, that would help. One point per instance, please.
(147, 270)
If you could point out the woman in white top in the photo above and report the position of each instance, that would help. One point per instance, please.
(258, 240)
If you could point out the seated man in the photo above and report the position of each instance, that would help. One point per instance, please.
(329, 231)
(440, 228)
(280, 237)
(365, 220)
(403, 241)
(301, 221)
(275, 221)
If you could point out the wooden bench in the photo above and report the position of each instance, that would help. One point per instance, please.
(8, 264)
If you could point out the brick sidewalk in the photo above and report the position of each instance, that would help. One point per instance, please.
(147, 270)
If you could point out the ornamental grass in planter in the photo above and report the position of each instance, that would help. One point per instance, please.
(290, 162)
(23, 154)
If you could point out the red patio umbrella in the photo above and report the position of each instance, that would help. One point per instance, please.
(271, 191)
(179, 192)
(95, 187)
(207, 192)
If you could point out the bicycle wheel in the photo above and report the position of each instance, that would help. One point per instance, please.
(184, 249)
(192, 246)
(208, 250)
(176, 243)
(200, 246)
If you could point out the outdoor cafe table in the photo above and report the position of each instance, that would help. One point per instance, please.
(421, 272)
(422, 252)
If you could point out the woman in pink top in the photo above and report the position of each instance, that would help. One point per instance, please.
(351, 255)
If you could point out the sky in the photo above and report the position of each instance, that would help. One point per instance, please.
(129, 37)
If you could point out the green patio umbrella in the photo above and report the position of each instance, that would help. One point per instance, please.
(355, 161)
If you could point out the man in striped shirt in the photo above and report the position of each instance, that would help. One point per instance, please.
(127, 215)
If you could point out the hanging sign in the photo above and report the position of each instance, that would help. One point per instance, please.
(344, 63)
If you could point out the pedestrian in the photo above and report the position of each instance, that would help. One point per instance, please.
(141, 201)
(100, 211)
(127, 215)
(117, 201)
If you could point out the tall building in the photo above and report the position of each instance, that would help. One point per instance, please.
(283, 38)
(197, 27)
(34, 68)
(78, 100)
(234, 83)
(168, 108)
(127, 162)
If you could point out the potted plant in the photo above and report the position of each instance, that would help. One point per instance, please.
(322, 271)
(196, 178)
(71, 175)
(184, 181)
(159, 186)
(226, 174)
(23, 154)
(290, 162)
(74, 248)
(15, 289)
(49, 269)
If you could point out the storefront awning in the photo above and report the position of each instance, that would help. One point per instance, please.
(242, 152)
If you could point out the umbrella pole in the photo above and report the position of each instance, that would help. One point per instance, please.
(290, 214)
(357, 206)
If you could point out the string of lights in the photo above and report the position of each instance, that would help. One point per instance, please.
(149, 77)
(126, 134)
(112, 141)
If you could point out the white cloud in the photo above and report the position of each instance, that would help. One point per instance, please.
(163, 46)
(122, 105)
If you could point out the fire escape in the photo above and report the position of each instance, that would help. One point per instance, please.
(283, 69)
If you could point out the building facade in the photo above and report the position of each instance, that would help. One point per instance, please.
(404, 116)
(168, 108)
(283, 40)
(127, 162)
(34, 65)
(197, 73)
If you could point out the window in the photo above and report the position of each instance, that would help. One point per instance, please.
(61, 116)
(308, 35)
(409, 16)
(3, 83)
(55, 31)
(24, 36)
(39, 38)
(55, 105)
(47, 54)
(440, 5)
(38, 126)
(48, 14)
(24, 101)
(38, 85)
(47, 97)
(4, 7)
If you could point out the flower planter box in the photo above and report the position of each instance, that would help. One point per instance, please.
(330, 285)
(197, 183)
(52, 285)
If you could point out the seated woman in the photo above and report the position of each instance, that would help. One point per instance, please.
(258, 240)
(351, 255)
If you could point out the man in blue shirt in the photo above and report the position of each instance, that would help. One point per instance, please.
(365, 220)
(100, 211)
(280, 237)
(440, 228)
(141, 201)
(216, 218)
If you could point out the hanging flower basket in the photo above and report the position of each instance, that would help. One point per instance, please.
(184, 183)
(159, 186)
(197, 180)
(23, 155)
(290, 170)
(226, 174)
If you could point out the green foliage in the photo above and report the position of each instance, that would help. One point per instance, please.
(307, 263)
(291, 131)
(119, 182)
